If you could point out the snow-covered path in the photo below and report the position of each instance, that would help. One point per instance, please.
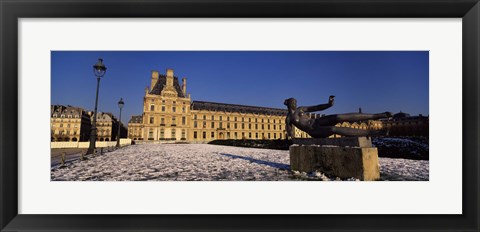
(162, 162)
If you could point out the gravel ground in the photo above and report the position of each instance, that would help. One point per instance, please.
(195, 162)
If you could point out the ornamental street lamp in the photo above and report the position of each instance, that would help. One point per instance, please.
(99, 70)
(120, 105)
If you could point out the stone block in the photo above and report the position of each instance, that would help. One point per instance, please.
(344, 162)
(341, 142)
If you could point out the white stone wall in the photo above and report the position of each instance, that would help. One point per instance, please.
(123, 142)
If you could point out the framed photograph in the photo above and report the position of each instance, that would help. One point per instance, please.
(249, 116)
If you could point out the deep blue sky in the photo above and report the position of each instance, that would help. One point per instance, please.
(376, 81)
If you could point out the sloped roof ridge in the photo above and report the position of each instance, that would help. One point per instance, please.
(238, 105)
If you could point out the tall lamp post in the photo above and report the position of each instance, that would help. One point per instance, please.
(120, 105)
(99, 70)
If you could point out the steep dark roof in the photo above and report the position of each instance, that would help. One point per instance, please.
(162, 81)
(65, 110)
(136, 119)
(214, 106)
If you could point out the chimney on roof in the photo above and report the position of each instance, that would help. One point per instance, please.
(154, 79)
(184, 86)
(170, 77)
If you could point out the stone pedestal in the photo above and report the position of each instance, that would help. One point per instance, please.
(340, 157)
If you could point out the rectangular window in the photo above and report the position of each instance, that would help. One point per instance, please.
(235, 126)
(162, 133)
(235, 119)
(163, 108)
(152, 107)
(213, 125)
(195, 116)
(212, 135)
(213, 117)
(183, 109)
(151, 120)
(183, 120)
(268, 135)
(228, 125)
(249, 126)
(268, 126)
(174, 109)
(274, 127)
(183, 133)
(220, 118)
(195, 124)
(235, 134)
(204, 117)
(162, 121)
(243, 135)
(256, 126)
(174, 120)
(194, 135)
(204, 135)
(274, 135)
(228, 135)
(243, 126)
(174, 133)
(256, 135)
(150, 134)
(204, 124)
(220, 125)
(249, 135)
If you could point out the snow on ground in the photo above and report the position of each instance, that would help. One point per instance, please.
(162, 162)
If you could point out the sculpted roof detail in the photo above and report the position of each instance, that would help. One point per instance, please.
(214, 106)
(162, 81)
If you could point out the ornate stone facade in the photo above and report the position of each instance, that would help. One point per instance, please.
(68, 123)
(170, 114)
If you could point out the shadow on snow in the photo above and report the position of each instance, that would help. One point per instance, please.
(257, 161)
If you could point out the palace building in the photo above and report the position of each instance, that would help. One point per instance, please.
(170, 114)
(69, 123)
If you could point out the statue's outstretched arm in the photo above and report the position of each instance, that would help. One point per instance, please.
(319, 107)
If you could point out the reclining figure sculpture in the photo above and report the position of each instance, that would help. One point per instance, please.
(324, 126)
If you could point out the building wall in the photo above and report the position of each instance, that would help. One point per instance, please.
(211, 125)
(69, 123)
(168, 115)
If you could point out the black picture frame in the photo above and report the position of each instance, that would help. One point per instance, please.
(11, 11)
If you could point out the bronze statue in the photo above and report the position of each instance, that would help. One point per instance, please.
(325, 126)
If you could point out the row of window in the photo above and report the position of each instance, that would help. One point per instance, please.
(235, 126)
(68, 125)
(236, 135)
(173, 134)
(162, 121)
(63, 116)
(235, 119)
(163, 108)
(64, 132)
